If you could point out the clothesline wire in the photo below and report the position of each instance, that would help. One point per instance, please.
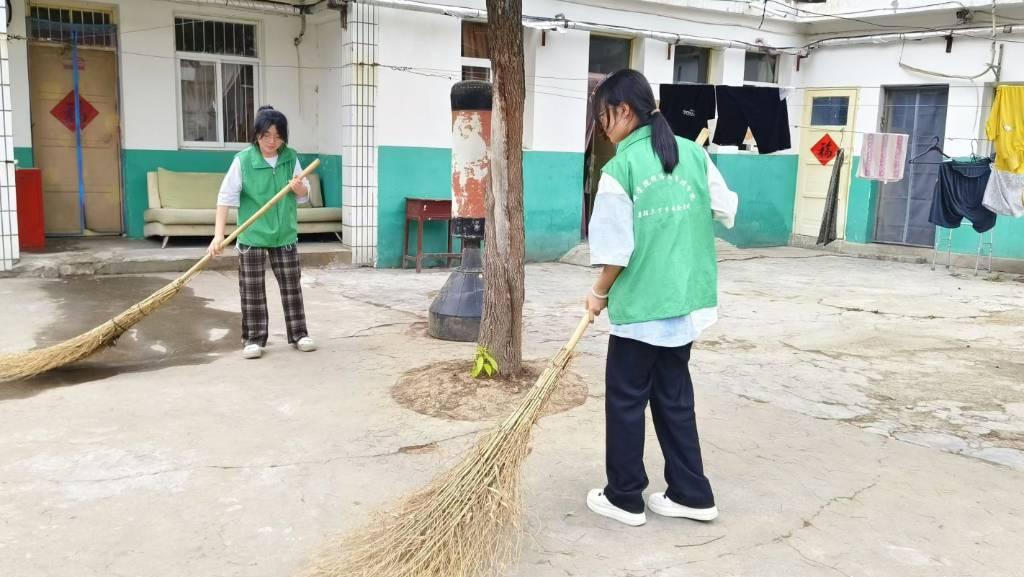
(550, 90)
(751, 45)
(11, 36)
(455, 74)
(792, 10)
(570, 92)
(563, 92)
(846, 131)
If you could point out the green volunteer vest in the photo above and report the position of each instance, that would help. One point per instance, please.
(673, 270)
(260, 182)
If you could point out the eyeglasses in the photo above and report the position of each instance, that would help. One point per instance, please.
(266, 136)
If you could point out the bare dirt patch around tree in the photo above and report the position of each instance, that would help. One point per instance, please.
(446, 390)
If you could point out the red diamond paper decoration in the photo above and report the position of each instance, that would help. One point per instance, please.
(65, 111)
(825, 149)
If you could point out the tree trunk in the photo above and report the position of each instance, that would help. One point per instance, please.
(501, 329)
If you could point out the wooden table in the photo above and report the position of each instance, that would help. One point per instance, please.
(422, 210)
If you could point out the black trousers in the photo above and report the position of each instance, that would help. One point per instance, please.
(638, 373)
(756, 107)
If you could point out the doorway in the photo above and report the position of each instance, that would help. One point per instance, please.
(904, 206)
(72, 52)
(608, 54)
(830, 115)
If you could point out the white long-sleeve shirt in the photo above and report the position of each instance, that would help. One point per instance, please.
(231, 187)
(612, 243)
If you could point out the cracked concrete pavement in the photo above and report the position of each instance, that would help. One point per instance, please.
(858, 418)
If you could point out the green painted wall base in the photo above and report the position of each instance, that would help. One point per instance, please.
(24, 157)
(330, 178)
(861, 204)
(1007, 236)
(552, 199)
(766, 186)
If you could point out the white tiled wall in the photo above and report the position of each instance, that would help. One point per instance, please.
(358, 133)
(8, 214)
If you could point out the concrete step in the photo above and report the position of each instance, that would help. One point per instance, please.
(104, 258)
(912, 255)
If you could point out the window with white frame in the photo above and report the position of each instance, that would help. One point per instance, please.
(690, 64)
(217, 72)
(609, 54)
(761, 67)
(64, 25)
(476, 52)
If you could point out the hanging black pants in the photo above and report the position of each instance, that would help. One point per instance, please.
(638, 373)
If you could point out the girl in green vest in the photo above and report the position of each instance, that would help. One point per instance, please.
(652, 232)
(256, 175)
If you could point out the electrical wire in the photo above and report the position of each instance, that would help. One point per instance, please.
(455, 73)
(892, 11)
(751, 45)
(952, 31)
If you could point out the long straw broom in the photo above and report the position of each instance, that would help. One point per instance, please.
(466, 522)
(19, 366)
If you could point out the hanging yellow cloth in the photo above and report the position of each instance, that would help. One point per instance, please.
(1005, 128)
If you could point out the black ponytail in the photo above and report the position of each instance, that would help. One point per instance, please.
(631, 87)
(664, 142)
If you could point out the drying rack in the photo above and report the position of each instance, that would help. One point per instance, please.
(946, 240)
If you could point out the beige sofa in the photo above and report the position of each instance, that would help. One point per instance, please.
(185, 204)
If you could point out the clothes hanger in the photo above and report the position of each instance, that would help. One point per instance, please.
(934, 147)
(974, 153)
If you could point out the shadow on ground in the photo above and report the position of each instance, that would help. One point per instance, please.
(185, 331)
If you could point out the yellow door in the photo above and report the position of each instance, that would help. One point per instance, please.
(826, 112)
(51, 85)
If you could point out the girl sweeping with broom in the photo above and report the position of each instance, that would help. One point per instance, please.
(652, 232)
(256, 174)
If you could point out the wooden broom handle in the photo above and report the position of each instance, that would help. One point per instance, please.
(263, 209)
(702, 137)
(234, 234)
(580, 329)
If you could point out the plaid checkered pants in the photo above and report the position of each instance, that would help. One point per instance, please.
(284, 261)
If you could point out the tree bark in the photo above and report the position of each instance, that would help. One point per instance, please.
(501, 328)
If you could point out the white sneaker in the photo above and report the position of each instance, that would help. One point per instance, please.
(306, 345)
(662, 505)
(252, 351)
(598, 503)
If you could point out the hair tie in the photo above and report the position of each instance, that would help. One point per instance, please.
(655, 111)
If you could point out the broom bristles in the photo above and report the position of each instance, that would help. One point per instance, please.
(28, 364)
(466, 522)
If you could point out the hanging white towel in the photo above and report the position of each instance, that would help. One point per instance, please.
(1005, 193)
(883, 157)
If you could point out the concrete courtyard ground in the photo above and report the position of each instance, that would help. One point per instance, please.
(858, 418)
